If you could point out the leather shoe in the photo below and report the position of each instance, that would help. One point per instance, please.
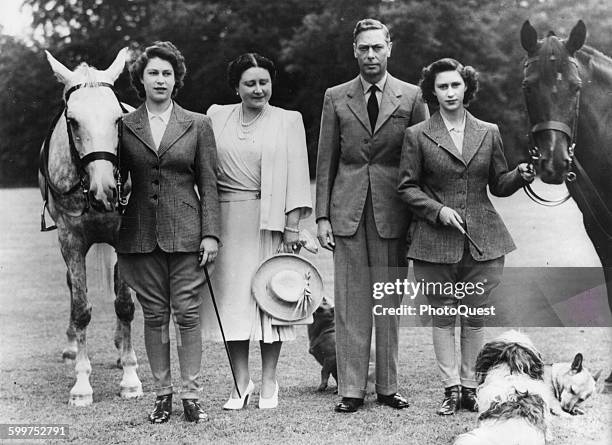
(348, 405)
(450, 404)
(396, 400)
(468, 399)
(162, 410)
(192, 411)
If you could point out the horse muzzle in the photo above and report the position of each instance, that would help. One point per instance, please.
(555, 168)
(104, 202)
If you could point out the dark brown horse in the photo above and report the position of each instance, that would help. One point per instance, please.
(80, 190)
(568, 92)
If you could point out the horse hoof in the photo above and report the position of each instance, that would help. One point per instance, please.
(68, 355)
(131, 392)
(80, 399)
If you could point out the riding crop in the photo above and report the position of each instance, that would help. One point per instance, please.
(229, 358)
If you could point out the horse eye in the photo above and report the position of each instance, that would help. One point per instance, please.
(72, 122)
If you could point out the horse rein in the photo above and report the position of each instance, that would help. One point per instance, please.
(79, 161)
(534, 151)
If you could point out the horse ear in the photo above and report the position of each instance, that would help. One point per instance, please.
(576, 38)
(63, 74)
(118, 65)
(577, 363)
(529, 37)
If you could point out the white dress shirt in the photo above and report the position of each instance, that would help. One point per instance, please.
(366, 88)
(158, 124)
(456, 132)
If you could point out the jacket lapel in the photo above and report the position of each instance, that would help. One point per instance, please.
(178, 124)
(389, 103)
(472, 137)
(138, 123)
(438, 133)
(356, 103)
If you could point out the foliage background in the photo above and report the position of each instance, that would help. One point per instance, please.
(310, 40)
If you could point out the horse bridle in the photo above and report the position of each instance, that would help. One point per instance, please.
(534, 151)
(80, 162)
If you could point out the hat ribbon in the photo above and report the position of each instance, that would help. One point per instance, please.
(302, 303)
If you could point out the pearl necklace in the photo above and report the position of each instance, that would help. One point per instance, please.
(245, 129)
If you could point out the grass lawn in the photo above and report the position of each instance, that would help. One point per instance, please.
(34, 382)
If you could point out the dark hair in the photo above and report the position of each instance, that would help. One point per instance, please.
(428, 78)
(245, 61)
(368, 24)
(165, 51)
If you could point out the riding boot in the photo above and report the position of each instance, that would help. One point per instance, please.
(190, 360)
(157, 344)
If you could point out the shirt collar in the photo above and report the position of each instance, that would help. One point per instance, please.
(380, 84)
(458, 128)
(164, 116)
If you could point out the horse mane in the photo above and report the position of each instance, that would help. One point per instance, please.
(552, 49)
(597, 63)
(88, 73)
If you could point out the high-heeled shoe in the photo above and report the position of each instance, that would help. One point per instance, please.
(243, 401)
(270, 402)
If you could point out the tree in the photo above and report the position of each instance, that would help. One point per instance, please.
(26, 99)
(310, 41)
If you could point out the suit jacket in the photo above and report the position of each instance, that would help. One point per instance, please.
(434, 174)
(164, 208)
(352, 159)
(285, 184)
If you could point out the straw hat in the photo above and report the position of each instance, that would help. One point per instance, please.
(287, 287)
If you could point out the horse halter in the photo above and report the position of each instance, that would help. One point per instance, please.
(534, 151)
(80, 162)
(94, 155)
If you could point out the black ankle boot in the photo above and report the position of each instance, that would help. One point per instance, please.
(162, 410)
(468, 399)
(451, 401)
(192, 410)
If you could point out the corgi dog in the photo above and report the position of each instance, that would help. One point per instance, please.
(322, 340)
(322, 345)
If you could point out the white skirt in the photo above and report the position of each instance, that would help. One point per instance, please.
(244, 247)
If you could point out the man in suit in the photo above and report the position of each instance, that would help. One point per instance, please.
(359, 214)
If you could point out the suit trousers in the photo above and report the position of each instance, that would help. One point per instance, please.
(467, 270)
(165, 284)
(360, 261)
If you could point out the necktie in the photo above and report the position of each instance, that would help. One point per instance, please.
(373, 107)
(157, 129)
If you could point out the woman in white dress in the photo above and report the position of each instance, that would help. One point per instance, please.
(264, 191)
